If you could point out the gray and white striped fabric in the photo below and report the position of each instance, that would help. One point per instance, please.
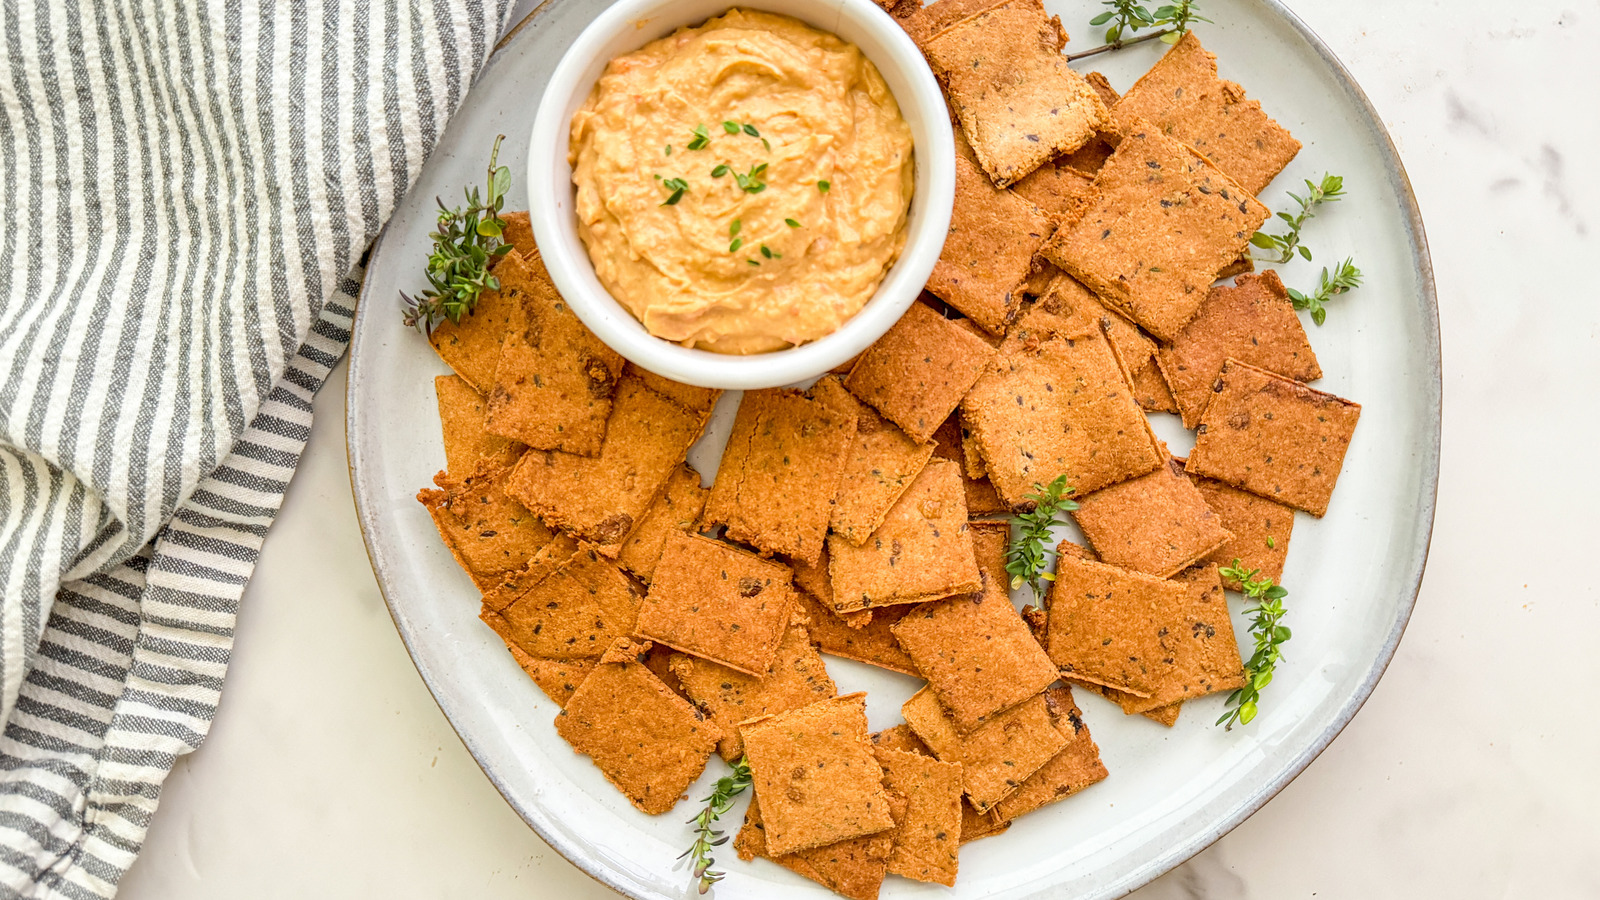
(185, 189)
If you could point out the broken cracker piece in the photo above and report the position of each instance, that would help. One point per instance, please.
(883, 461)
(996, 757)
(977, 825)
(899, 737)
(1158, 523)
(917, 373)
(796, 678)
(872, 642)
(488, 531)
(718, 602)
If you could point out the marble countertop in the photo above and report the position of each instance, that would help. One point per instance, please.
(1471, 771)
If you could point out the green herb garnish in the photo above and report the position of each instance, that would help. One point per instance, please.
(1269, 635)
(1030, 552)
(705, 836)
(719, 171)
(769, 253)
(730, 127)
(464, 246)
(824, 186)
(1346, 277)
(737, 243)
(1285, 246)
(791, 223)
(751, 130)
(678, 187)
(754, 181)
(1124, 17)
(701, 140)
(733, 230)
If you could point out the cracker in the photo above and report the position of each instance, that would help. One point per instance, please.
(919, 370)
(977, 825)
(646, 740)
(1244, 263)
(1058, 187)
(949, 444)
(815, 774)
(718, 602)
(936, 18)
(976, 653)
(1150, 389)
(922, 551)
(796, 677)
(872, 643)
(900, 10)
(1158, 524)
(1274, 437)
(1165, 715)
(1253, 322)
(1058, 406)
(687, 396)
(1017, 100)
(461, 412)
(927, 839)
(572, 608)
(488, 532)
(971, 455)
(1183, 97)
(519, 234)
(882, 462)
(1261, 530)
(995, 758)
(776, 484)
(558, 678)
(600, 499)
(1102, 86)
(554, 379)
(1161, 222)
(899, 737)
(472, 346)
(1076, 767)
(677, 509)
(989, 249)
(853, 868)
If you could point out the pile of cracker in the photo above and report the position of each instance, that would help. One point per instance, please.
(867, 516)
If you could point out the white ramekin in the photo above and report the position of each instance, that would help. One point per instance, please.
(629, 25)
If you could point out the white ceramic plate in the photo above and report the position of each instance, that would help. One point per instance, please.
(1352, 575)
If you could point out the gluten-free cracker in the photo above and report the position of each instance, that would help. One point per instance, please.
(852, 868)
(1077, 766)
(779, 474)
(574, 608)
(518, 233)
(940, 16)
(472, 346)
(647, 741)
(1274, 437)
(882, 462)
(1057, 187)
(676, 509)
(488, 531)
(1251, 321)
(927, 838)
(923, 549)
(1158, 523)
(995, 758)
(1150, 388)
(1261, 530)
(872, 643)
(917, 373)
(977, 825)
(461, 412)
(796, 678)
(1113, 626)
(718, 602)
(558, 678)
(899, 737)
(815, 774)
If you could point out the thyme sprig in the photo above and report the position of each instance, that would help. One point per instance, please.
(1028, 557)
(1284, 246)
(754, 181)
(1345, 277)
(1125, 17)
(464, 246)
(1270, 635)
(707, 837)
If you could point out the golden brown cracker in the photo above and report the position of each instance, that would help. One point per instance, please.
(1261, 530)
(919, 370)
(1183, 97)
(1102, 86)
(1077, 766)
(519, 234)
(815, 774)
(558, 678)
(1251, 321)
(976, 825)
(575, 608)
(853, 868)
(779, 475)
(1274, 437)
(936, 18)
(687, 396)
(718, 602)
(1056, 187)
(882, 462)
(923, 549)
(995, 758)
(647, 741)
(471, 347)
(677, 509)
(488, 531)
(461, 412)
(927, 839)
(872, 643)
(899, 737)
(1158, 523)
(1161, 221)
(796, 677)
(1150, 389)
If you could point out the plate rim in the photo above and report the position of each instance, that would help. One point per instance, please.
(1183, 851)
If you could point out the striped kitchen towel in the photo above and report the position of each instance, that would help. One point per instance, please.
(185, 190)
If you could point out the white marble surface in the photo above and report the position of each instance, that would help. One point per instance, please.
(1471, 771)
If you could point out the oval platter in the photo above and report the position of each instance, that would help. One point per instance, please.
(1352, 575)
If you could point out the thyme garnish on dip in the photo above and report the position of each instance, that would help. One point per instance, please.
(464, 246)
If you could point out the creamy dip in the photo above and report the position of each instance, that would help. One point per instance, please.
(742, 186)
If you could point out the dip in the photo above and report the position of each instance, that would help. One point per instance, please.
(742, 186)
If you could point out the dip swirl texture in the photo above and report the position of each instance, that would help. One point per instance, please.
(779, 257)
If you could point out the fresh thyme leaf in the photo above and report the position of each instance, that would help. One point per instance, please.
(677, 186)
(1028, 557)
(1345, 277)
(1269, 635)
(737, 243)
(733, 230)
(669, 150)
(824, 186)
(707, 837)
(753, 262)
(719, 171)
(465, 244)
(791, 223)
(754, 181)
(730, 127)
(766, 146)
(770, 253)
(700, 139)
(1284, 246)
(751, 130)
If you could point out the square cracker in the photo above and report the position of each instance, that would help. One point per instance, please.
(815, 774)
(647, 741)
(558, 678)
(883, 461)
(927, 839)
(923, 549)
(1182, 96)
(472, 346)
(1158, 524)
(1274, 437)
(1017, 100)
(1076, 767)
(554, 379)
(853, 868)
(936, 18)
(1253, 322)
(1162, 221)
(1056, 187)
(974, 650)
(566, 609)
(600, 499)
(461, 412)
(487, 530)
(917, 373)
(976, 825)
(796, 677)
(1058, 406)
(779, 475)
(872, 643)
(989, 249)
(995, 758)
(718, 602)
(676, 509)
(1261, 530)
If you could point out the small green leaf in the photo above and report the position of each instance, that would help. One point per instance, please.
(1305, 252)
(737, 243)
(733, 230)
(1100, 19)
(1170, 37)
(502, 180)
(751, 130)
(730, 127)
(791, 223)
(1263, 240)
(719, 171)
(824, 186)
